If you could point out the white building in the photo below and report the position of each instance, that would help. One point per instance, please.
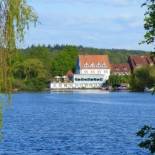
(92, 71)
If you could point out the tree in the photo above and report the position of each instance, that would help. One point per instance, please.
(15, 17)
(42, 53)
(64, 61)
(33, 68)
(142, 77)
(116, 80)
(30, 75)
(148, 135)
(147, 132)
(149, 22)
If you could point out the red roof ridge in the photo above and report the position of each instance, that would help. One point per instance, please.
(93, 59)
(123, 67)
(139, 60)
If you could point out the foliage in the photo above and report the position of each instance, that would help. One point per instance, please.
(149, 22)
(40, 52)
(64, 61)
(15, 17)
(34, 67)
(143, 77)
(35, 84)
(116, 56)
(116, 80)
(148, 135)
(30, 72)
(55, 61)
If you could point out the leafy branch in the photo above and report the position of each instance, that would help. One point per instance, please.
(148, 135)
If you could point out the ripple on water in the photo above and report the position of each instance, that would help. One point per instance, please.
(78, 123)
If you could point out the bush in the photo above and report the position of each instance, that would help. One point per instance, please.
(142, 77)
(116, 80)
(35, 84)
(30, 85)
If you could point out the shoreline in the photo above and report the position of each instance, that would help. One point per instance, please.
(77, 90)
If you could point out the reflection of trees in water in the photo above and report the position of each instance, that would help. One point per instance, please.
(5, 101)
(1, 122)
(15, 16)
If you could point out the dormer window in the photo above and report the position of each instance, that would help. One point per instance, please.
(105, 66)
(92, 65)
(86, 64)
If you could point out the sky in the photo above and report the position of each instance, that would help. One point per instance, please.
(91, 23)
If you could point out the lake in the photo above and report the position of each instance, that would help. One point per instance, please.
(76, 123)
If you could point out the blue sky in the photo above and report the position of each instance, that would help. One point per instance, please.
(92, 23)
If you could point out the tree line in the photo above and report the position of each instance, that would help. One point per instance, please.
(34, 67)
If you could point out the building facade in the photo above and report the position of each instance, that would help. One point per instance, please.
(120, 69)
(92, 71)
(138, 61)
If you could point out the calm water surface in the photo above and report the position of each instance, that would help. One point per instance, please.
(76, 123)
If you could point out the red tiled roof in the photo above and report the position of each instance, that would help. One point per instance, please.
(140, 60)
(153, 58)
(120, 68)
(94, 61)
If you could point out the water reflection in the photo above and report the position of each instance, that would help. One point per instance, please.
(1, 122)
(5, 100)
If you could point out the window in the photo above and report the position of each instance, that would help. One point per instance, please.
(86, 65)
(98, 64)
(92, 71)
(92, 65)
(86, 72)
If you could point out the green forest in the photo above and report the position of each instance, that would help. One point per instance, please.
(34, 67)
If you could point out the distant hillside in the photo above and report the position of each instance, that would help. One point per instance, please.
(115, 55)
